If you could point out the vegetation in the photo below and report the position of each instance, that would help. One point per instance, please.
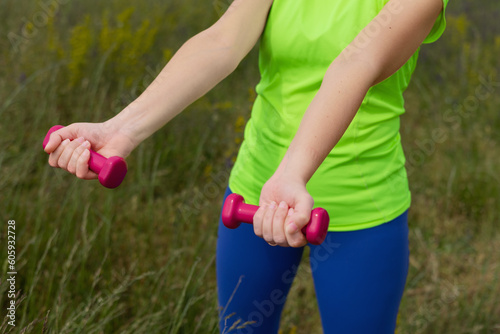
(140, 259)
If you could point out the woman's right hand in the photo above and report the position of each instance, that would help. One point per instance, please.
(69, 146)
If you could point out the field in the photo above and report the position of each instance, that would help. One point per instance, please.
(140, 259)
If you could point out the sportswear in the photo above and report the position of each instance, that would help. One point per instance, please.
(363, 182)
(359, 278)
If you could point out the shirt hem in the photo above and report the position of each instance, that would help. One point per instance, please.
(373, 223)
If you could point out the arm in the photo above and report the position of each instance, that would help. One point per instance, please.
(200, 64)
(343, 89)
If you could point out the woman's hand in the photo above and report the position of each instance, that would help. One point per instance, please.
(285, 208)
(69, 147)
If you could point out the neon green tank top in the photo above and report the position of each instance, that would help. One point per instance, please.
(363, 182)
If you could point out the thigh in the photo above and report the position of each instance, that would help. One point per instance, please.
(359, 278)
(253, 280)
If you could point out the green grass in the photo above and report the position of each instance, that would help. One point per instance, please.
(140, 259)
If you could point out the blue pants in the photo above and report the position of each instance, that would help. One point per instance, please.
(359, 278)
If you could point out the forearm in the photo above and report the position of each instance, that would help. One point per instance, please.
(200, 64)
(350, 76)
(343, 89)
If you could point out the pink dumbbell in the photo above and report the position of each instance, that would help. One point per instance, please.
(235, 212)
(111, 170)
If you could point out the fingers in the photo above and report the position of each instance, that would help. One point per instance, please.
(54, 156)
(55, 141)
(73, 165)
(82, 166)
(73, 156)
(57, 137)
(279, 226)
(297, 219)
(269, 223)
(293, 228)
(258, 219)
(67, 153)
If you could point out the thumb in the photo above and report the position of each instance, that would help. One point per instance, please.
(57, 137)
(299, 216)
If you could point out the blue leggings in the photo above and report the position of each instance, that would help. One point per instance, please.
(359, 278)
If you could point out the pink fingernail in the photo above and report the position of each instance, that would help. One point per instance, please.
(283, 205)
(290, 211)
(86, 144)
(80, 140)
(273, 205)
(65, 141)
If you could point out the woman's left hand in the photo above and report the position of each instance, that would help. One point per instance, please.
(285, 208)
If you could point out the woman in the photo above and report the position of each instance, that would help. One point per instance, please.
(325, 126)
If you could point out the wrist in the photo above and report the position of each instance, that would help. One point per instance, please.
(292, 172)
(128, 123)
(119, 125)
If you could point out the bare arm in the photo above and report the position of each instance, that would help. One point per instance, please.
(200, 64)
(351, 75)
(344, 87)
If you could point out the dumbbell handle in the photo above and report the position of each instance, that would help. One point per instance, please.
(111, 170)
(235, 212)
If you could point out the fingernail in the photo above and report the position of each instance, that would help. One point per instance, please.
(292, 227)
(273, 205)
(283, 205)
(86, 144)
(65, 141)
(80, 140)
(290, 211)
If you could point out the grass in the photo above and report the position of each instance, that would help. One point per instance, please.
(140, 259)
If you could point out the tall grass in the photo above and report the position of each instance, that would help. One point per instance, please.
(139, 259)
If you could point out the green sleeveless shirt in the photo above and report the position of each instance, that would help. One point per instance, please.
(362, 183)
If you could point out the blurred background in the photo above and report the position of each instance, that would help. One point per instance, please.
(140, 259)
